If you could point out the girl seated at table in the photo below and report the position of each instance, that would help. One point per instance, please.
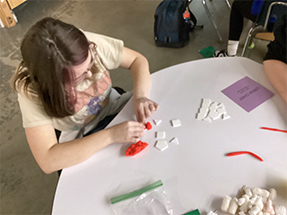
(63, 84)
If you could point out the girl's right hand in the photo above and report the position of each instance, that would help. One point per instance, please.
(127, 132)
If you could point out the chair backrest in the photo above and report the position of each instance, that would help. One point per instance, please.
(271, 10)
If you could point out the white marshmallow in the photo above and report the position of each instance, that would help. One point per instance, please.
(254, 210)
(214, 115)
(259, 203)
(233, 206)
(174, 140)
(175, 123)
(280, 210)
(225, 203)
(225, 116)
(248, 192)
(213, 106)
(246, 197)
(157, 121)
(221, 110)
(268, 207)
(273, 194)
(260, 213)
(244, 207)
(253, 198)
(208, 119)
(257, 191)
(160, 134)
(241, 192)
(265, 193)
(212, 213)
(161, 145)
(241, 201)
(206, 102)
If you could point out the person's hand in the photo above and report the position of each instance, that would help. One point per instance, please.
(144, 108)
(127, 132)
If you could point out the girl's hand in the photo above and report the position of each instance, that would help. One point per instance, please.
(144, 108)
(127, 132)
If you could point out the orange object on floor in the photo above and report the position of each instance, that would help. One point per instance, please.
(186, 14)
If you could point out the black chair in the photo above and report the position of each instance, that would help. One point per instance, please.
(271, 11)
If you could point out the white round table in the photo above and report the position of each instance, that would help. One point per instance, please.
(196, 173)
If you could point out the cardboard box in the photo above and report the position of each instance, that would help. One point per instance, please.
(5, 15)
(14, 3)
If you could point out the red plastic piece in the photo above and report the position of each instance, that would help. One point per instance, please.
(136, 148)
(244, 152)
(274, 129)
(148, 126)
(186, 14)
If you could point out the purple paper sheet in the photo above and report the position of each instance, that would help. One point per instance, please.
(247, 93)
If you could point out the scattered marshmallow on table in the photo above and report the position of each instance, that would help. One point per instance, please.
(160, 134)
(157, 121)
(174, 140)
(175, 123)
(225, 116)
(161, 145)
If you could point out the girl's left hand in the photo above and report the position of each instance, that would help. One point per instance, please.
(144, 108)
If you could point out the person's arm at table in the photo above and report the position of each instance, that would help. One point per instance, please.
(139, 68)
(52, 156)
(276, 72)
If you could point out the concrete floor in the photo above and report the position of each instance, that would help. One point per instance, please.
(25, 189)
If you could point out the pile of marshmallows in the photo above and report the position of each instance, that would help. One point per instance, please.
(254, 201)
(209, 111)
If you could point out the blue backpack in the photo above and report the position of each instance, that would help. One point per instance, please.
(172, 26)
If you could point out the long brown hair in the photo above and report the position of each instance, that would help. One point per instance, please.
(49, 49)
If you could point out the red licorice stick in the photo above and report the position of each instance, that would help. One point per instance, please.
(274, 129)
(244, 152)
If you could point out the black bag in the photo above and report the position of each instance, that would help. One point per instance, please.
(171, 29)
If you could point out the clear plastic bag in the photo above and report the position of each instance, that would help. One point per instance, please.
(150, 200)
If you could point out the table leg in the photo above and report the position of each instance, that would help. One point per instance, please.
(212, 22)
(228, 4)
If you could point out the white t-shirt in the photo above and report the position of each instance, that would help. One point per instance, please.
(95, 97)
